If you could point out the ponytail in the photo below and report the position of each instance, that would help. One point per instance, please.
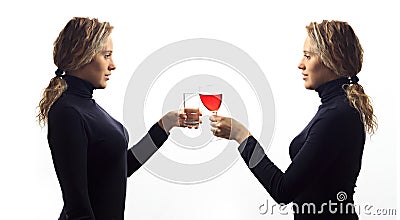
(360, 101)
(53, 91)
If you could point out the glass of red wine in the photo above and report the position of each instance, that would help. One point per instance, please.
(211, 97)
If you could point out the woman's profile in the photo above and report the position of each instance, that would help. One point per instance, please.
(89, 148)
(326, 156)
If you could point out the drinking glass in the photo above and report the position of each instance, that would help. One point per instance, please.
(191, 109)
(211, 97)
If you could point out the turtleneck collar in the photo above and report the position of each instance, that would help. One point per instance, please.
(331, 89)
(78, 86)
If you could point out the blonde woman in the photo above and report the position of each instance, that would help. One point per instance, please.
(89, 148)
(326, 156)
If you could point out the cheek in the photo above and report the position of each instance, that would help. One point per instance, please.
(314, 69)
(100, 69)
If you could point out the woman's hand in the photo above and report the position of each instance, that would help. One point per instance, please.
(228, 128)
(174, 119)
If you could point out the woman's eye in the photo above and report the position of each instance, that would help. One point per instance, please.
(108, 55)
(307, 56)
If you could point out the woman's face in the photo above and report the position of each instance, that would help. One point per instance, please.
(97, 72)
(314, 71)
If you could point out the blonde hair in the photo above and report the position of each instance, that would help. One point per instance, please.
(340, 50)
(76, 45)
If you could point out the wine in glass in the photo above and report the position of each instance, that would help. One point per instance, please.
(211, 97)
(211, 101)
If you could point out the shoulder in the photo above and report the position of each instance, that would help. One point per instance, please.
(343, 110)
(340, 116)
(63, 109)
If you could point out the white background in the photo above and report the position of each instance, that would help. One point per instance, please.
(271, 33)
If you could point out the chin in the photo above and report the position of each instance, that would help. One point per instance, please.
(101, 86)
(309, 86)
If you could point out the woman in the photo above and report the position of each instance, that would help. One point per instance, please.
(326, 155)
(88, 146)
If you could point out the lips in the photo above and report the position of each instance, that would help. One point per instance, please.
(305, 76)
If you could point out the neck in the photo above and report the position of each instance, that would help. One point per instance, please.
(332, 89)
(78, 86)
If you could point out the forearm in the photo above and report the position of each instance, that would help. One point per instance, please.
(145, 148)
(266, 172)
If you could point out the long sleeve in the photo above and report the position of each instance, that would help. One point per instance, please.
(328, 137)
(68, 143)
(145, 148)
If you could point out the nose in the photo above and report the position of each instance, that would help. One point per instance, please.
(301, 65)
(112, 66)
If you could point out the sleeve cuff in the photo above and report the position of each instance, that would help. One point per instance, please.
(249, 140)
(158, 135)
(251, 151)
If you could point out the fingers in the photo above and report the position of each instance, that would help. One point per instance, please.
(215, 121)
(190, 126)
(215, 118)
(215, 130)
(215, 124)
(212, 118)
(182, 116)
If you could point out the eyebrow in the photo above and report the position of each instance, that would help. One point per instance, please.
(306, 51)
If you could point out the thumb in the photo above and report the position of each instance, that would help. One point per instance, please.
(215, 118)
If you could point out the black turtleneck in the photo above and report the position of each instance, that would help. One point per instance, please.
(326, 160)
(90, 154)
